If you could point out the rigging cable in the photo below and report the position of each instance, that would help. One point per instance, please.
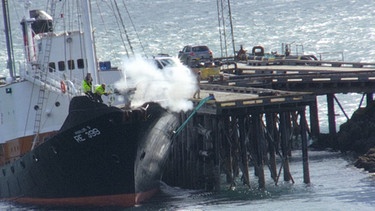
(123, 25)
(135, 30)
(82, 50)
(219, 27)
(101, 17)
(122, 38)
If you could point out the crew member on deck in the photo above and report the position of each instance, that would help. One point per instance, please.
(87, 86)
(99, 91)
(241, 55)
(198, 91)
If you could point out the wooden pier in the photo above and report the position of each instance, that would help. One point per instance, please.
(256, 119)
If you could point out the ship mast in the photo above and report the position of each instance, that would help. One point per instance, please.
(89, 41)
(8, 37)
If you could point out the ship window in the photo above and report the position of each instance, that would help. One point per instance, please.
(61, 65)
(70, 64)
(80, 64)
(52, 67)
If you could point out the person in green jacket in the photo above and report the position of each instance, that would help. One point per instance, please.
(87, 86)
(99, 91)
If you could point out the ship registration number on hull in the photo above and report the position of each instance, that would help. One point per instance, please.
(86, 133)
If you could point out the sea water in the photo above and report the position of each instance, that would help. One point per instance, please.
(335, 29)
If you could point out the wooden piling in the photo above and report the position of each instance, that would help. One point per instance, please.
(228, 150)
(272, 144)
(331, 114)
(207, 153)
(284, 145)
(218, 138)
(243, 150)
(289, 132)
(314, 120)
(260, 143)
(305, 158)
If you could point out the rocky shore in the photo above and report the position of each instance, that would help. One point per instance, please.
(367, 161)
(356, 135)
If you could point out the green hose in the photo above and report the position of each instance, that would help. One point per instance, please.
(201, 103)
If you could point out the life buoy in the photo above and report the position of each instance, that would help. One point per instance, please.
(63, 86)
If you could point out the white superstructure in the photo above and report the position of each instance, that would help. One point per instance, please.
(56, 62)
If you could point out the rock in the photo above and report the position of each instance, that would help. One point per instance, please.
(366, 161)
(358, 135)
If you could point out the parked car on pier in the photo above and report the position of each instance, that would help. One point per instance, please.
(164, 60)
(192, 54)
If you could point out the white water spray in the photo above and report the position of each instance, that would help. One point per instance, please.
(171, 87)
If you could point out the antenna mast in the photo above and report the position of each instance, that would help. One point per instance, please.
(225, 28)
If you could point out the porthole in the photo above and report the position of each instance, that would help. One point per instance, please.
(57, 104)
(36, 107)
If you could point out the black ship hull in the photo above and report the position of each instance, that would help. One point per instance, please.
(102, 156)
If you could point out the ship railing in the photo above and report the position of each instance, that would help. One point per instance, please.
(55, 82)
(331, 56)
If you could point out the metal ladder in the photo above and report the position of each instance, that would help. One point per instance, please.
(42, 89)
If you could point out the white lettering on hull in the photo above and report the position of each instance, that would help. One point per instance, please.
(86, 133)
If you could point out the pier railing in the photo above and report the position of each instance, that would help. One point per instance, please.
(266, 61)
(317, 81)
